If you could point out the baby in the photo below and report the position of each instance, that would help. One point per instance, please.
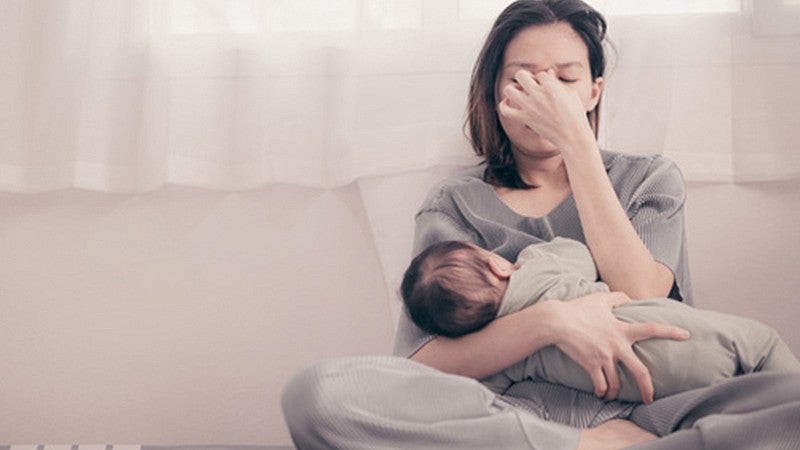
(454, 288)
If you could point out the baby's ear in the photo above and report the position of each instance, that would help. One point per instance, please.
(500, 266)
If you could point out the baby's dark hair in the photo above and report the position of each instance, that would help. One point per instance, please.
(447, 290)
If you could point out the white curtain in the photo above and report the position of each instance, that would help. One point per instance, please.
(718, 93)
(127, 95)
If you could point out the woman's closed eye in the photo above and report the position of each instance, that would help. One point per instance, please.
(567, 80)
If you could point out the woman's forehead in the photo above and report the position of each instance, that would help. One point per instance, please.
(541, 47)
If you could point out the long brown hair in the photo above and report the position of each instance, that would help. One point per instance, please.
(485, 132)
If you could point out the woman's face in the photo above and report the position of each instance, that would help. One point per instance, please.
(539, 48)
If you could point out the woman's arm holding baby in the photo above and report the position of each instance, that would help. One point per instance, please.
(584, 329)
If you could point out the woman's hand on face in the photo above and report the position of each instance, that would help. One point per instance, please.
(543, 103)
(594, 338)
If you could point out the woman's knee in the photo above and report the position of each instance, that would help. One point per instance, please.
(306, 402)
(321, 403)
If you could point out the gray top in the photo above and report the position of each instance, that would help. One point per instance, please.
(464, 207)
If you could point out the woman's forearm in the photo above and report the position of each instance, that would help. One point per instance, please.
(500, 344)
(585, 329)
(622, 259)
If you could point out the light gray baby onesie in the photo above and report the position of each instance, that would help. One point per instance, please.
(721, 346)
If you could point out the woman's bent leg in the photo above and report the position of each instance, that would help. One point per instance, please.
(383, 402)
(754, 411)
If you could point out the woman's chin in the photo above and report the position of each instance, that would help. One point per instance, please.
(538, 147)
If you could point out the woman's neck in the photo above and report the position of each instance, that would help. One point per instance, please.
(549, 171)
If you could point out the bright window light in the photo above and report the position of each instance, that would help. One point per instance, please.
(255, 16)
(631, 7)
(480, 9)
(214, 16)
(392, 14)
(488, 9)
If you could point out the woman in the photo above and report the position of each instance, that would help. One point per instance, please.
(533, 112)
(537, 79)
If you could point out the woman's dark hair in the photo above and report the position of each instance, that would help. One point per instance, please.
(483, 124)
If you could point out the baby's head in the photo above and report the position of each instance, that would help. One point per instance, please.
(451, 288)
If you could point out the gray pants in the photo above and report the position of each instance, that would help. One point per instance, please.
(382, 402)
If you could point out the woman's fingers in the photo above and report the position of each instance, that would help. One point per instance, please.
(599, 382)
(642, 331)
(527, 80)
(507, 109)
(640, 373)
(639, 332)
(599, 342)
(514, 96)
(612, 377)
(543, 79)
(546, 78)
(504, 107)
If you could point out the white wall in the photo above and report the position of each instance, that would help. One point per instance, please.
(176, 317)
(744, 249)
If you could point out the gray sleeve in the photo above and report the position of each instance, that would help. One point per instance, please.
(432, 226)
(656, 209)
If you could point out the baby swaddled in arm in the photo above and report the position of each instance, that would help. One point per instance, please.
(454, 288)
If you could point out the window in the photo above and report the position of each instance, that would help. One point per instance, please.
(482, 9)
(392, 14)
(256, 16)
(259, 16)
(630, 7)
(213, 16)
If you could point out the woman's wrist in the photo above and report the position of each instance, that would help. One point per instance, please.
(579, 143)
(548, 314)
